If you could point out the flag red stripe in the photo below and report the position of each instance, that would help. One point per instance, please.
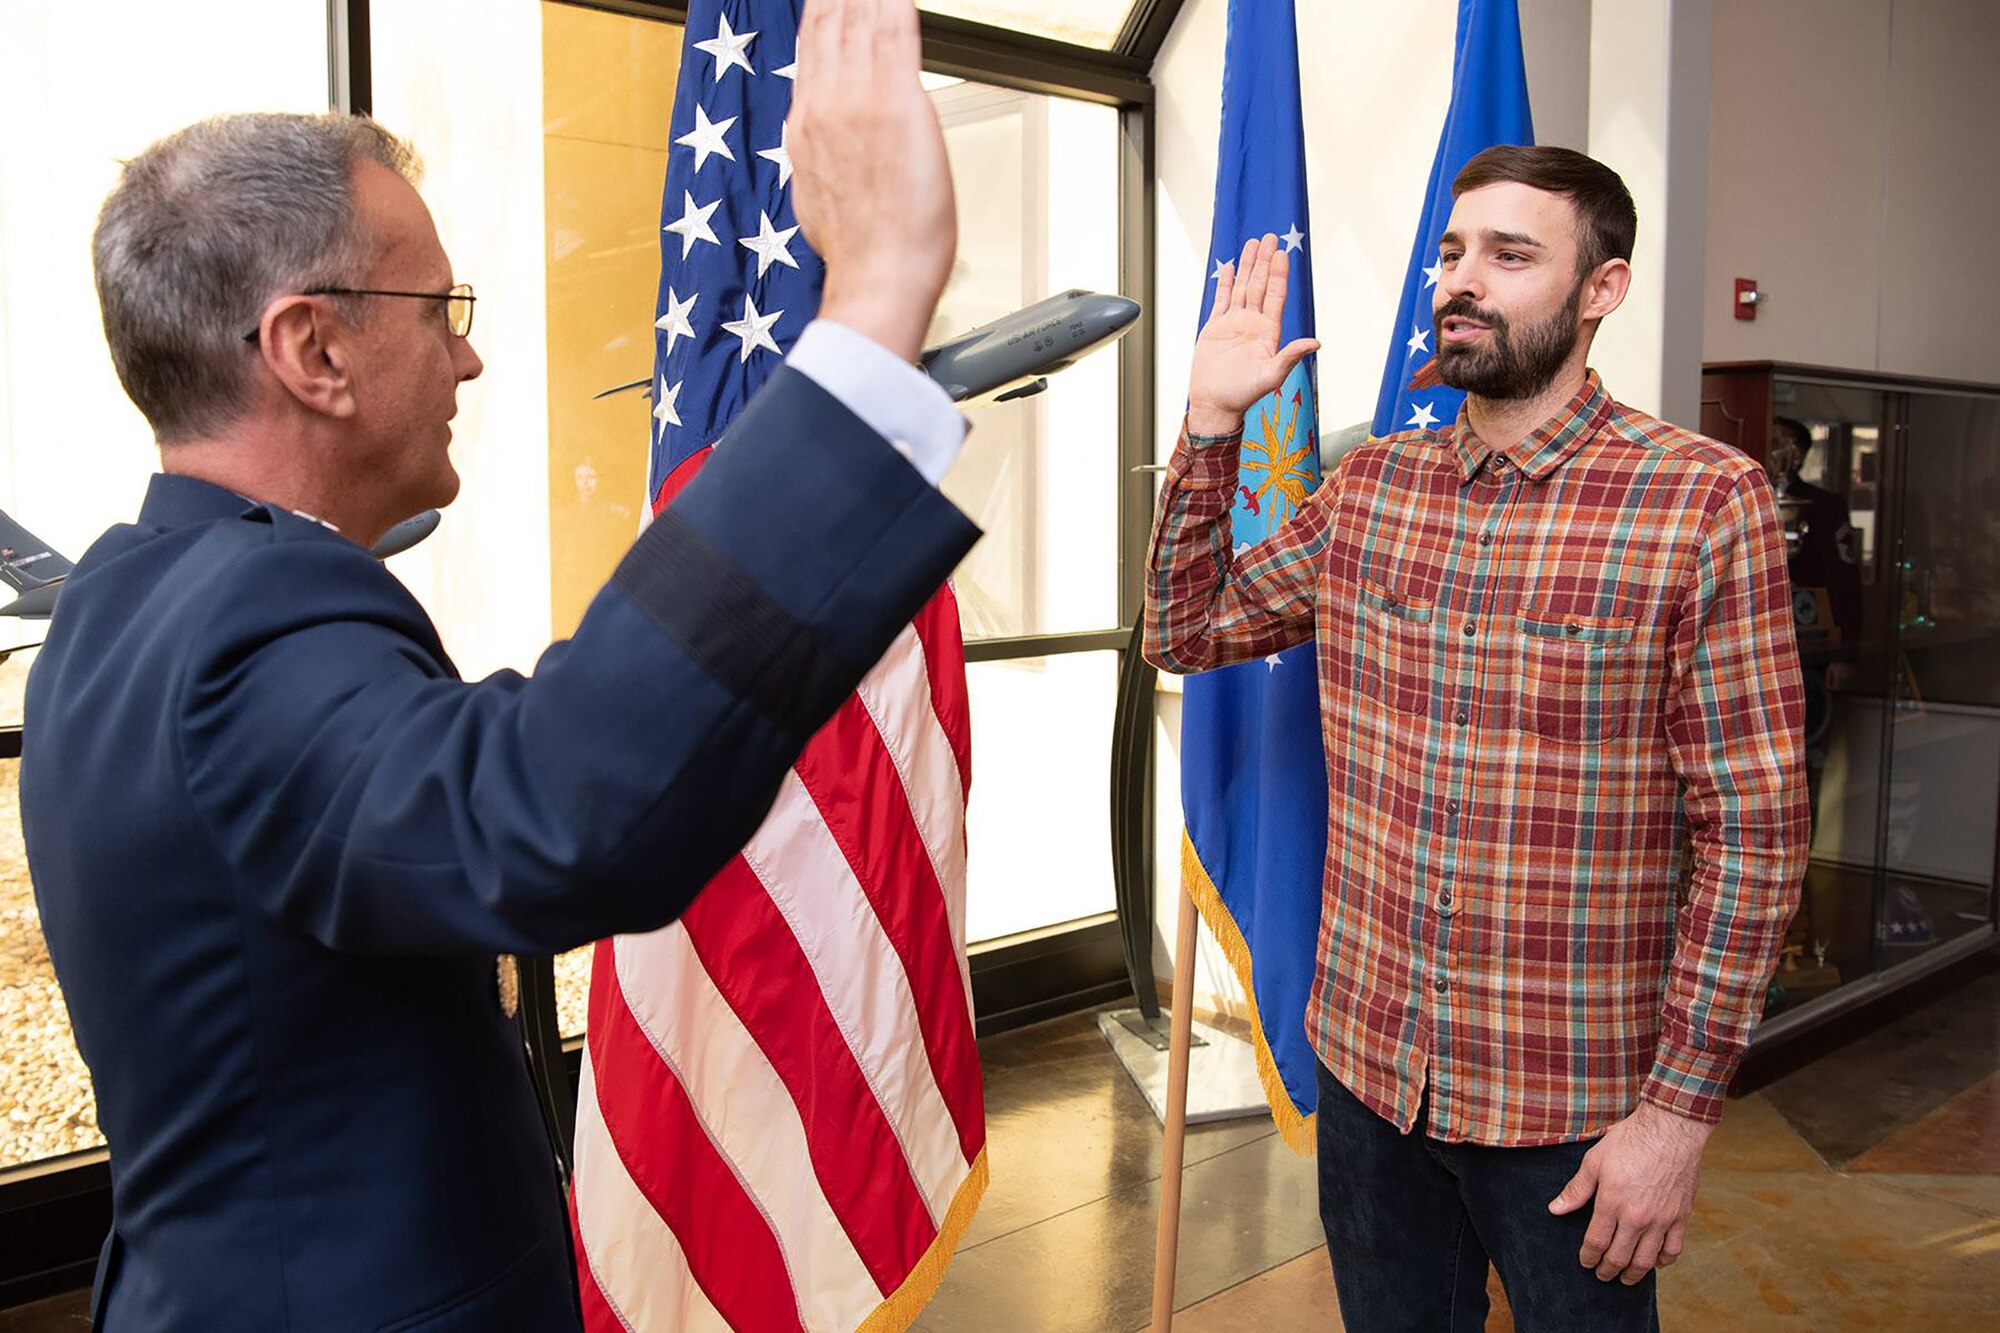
(653, 1125)
(598, 1315)
(757, 964)
(880, 840)
(944, 651)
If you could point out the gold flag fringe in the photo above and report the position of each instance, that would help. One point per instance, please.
(900, 1310)
(1296, 1130)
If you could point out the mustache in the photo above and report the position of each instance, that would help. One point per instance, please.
(1464, 307)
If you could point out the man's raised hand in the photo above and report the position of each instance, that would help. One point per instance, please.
(1237, 359)
(870, 180)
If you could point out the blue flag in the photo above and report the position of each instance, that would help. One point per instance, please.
(1253, 772)
(1489, 105)
(738, 284)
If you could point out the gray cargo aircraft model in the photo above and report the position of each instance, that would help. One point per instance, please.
(34, 570)
(1014, 355)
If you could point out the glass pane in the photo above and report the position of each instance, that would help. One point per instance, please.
(1080, 22)
(46, 1105)
(1842, 598)
(1038, 824)
(1944, 762)
(573, 991)
(1038, 214)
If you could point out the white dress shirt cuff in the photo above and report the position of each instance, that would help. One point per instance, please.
(896, 400)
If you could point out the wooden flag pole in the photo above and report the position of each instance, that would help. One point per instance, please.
(1167, 1246)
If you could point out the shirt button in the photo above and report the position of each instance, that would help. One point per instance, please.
(1451, 807)
(1468, 629)
(1485, 539)
(1461, 717)
(1573, 628)
(1444, 901)
(1438, 985)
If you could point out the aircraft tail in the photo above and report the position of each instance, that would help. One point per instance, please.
(26, 561)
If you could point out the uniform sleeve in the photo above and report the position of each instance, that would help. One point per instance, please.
(1208, 605)
(1735, 716)
(363, 795)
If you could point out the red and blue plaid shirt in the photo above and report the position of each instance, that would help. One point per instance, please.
(1560, 698)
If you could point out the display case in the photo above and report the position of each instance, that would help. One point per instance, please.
(1889, 488)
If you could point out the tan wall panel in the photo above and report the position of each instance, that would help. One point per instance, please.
(1939, 284)
(608, 93)
(1796, 156)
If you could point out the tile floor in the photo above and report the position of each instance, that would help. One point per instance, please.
(1859, 1192)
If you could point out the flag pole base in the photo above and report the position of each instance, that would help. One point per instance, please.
(1222, 1070)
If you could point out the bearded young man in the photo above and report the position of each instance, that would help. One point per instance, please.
(1555, 654)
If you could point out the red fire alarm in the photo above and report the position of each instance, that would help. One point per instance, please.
(1748, 298)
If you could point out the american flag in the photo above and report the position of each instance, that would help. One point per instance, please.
(780, 1124)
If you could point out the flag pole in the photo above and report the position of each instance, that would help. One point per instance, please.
(1167, 1244)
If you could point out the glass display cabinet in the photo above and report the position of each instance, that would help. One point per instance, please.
(1889, 488)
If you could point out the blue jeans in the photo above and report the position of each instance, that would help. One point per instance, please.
(1411, 1224)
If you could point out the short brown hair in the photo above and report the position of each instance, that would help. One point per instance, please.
(1603, 205)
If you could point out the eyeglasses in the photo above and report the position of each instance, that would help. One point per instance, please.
(457, 304)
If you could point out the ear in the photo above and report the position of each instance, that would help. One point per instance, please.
(1604, 290)
(304, 346)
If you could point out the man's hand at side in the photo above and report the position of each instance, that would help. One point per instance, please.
(1644, 1173)
(1237, 359)
(870, 180)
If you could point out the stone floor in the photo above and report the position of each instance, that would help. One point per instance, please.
(1860, 1191)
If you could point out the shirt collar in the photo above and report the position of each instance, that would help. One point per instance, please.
(1548, 446)
(174, 501)
(180, 502)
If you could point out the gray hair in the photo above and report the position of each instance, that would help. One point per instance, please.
(204, 228)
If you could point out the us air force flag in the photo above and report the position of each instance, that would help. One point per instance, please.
(1489, 105)
(1253, 774)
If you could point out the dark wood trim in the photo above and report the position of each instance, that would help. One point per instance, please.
(1146, 29)
(1041, 974)
(1871, 379)
(53, 1218)
(1044, 645)
(350, 84)
(986, 54)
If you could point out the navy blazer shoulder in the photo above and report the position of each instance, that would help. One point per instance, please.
(276, 843)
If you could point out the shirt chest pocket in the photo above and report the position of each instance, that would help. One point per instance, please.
(1577, 675)
(1397, 633)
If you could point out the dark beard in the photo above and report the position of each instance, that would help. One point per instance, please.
(1502, 369)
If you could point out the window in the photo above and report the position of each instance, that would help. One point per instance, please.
(74, 452)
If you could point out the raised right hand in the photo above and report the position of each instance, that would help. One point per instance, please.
(1237, 359)
(870, 181)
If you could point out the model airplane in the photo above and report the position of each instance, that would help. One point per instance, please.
(36, 572)
(1014, 355)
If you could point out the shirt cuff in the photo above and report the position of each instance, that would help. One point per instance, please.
(1207, 462)
(1690, 1083)
(896, 400)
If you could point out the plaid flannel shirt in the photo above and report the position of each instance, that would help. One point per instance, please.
(1560, 699)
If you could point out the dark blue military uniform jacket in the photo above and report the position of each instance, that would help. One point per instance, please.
(276, 843)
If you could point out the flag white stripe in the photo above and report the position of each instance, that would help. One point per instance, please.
(750, 1117)
(897, 695)
(809, 879)
(638, 1264)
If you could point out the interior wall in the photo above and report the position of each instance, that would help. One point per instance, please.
(473, 107)
(1851, 172)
